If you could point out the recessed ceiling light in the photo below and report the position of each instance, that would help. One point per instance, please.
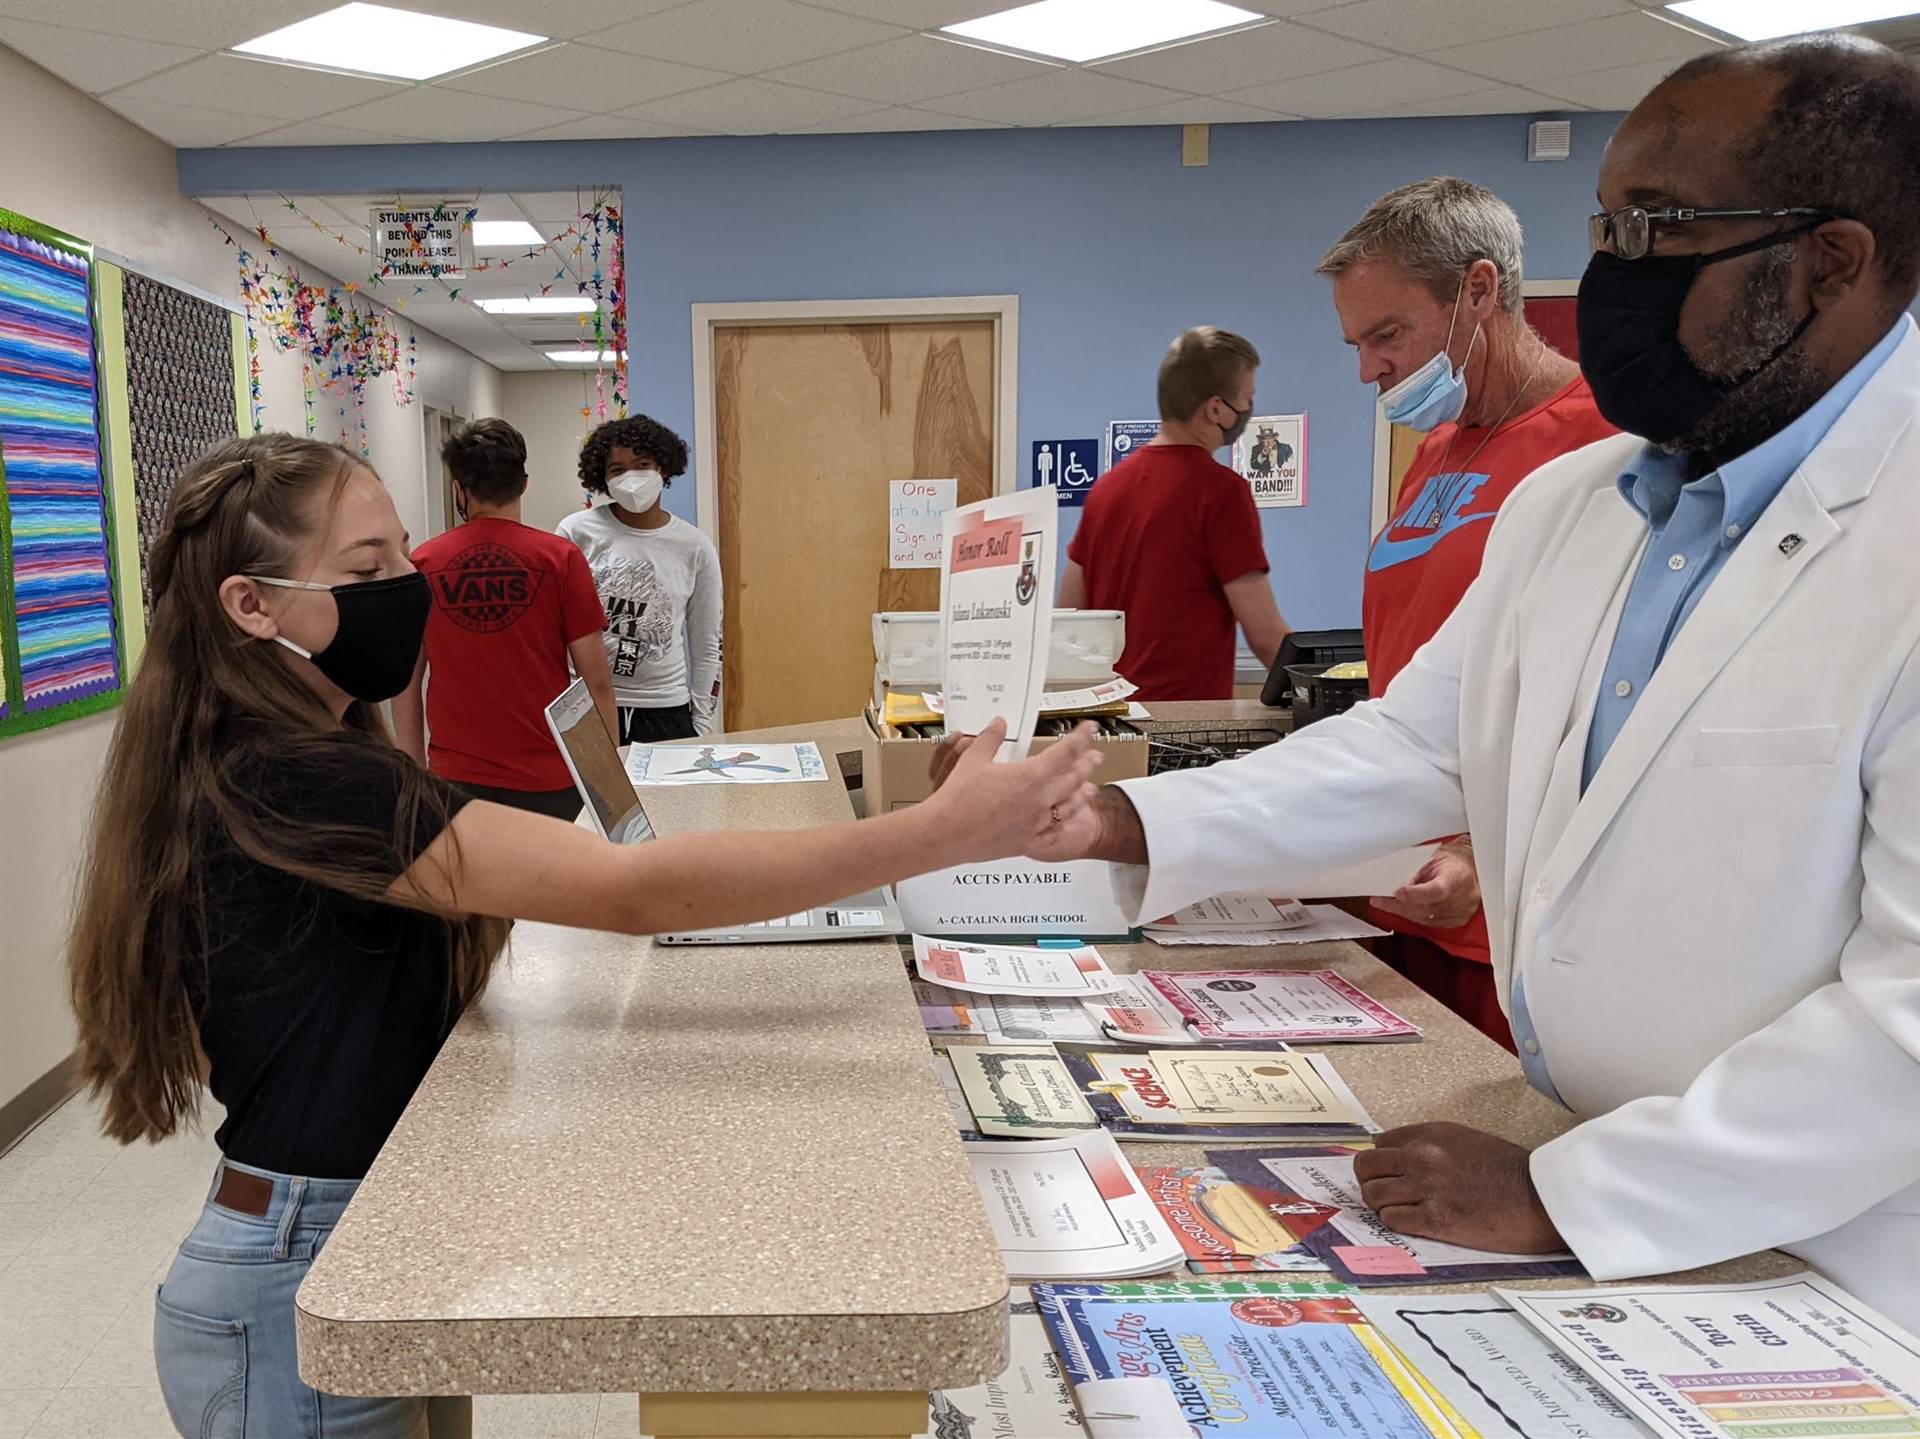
(379, 40)
(1081, 30)
(1770, 19)
(500, 234)
(584, 357)
(538, 305)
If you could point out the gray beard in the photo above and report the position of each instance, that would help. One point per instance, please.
(1757, 325)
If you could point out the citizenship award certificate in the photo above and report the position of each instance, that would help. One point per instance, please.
(1792, 1358)
(996, 613)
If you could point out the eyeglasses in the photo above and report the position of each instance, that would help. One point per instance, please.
(1629, 232)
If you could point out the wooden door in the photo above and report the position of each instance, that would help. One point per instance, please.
(810, 424)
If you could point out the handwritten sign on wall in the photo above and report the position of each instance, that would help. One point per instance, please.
(914, 512)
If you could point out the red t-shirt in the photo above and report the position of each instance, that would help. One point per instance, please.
(507, 601)
(1162, 535)
(1422, 562)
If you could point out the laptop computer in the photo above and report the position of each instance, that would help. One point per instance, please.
(613, 806)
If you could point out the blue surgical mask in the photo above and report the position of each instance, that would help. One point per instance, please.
(1436, 393)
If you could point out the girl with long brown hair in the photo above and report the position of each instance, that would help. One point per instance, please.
(282, 907)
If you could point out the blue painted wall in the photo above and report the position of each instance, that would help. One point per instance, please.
(1110, 244)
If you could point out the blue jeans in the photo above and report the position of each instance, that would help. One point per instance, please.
(223, 1336)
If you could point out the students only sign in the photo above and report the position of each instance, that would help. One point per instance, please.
(424, 242)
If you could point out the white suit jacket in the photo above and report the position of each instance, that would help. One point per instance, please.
(1720, 940)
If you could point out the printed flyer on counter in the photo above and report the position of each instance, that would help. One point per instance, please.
(1217, 1094)
(1004, 1016)
(1017, 1092)
(1030, 1400)
(1311, 1005)
(726, 763)
(1223, 1228)
(996, 613)
(1499, 1375)
(1069, 1209)
(1354, 1241)
(1013, 969)
(1793, 1358)
(1272, 1365)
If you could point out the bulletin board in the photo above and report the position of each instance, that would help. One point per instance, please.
(59, 631)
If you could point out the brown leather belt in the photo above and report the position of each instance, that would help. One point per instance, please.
(243, 1192)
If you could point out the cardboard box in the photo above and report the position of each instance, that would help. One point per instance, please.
(895, 766)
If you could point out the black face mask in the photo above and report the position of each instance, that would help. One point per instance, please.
(1239, 426)
(1628, 315)
(382, 625)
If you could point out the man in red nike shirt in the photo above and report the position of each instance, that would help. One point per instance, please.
(1427, 284)
(1171, 536)
(511, 606)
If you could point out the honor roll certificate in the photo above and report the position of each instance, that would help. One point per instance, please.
(1791, 1358)
(996, 613)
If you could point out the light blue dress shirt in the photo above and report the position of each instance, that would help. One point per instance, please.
(1695, 525)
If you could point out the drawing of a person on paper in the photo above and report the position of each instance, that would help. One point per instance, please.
(708, 763)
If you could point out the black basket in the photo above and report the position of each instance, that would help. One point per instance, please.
(1198, 748)
(1315, 696)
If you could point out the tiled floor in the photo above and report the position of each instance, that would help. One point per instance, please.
(86, 1231)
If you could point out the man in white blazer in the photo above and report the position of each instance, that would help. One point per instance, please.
(1679, 712)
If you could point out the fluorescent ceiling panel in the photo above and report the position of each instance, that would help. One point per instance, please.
(537, 305)
(379, 40)
(502, 234)
(1770, 19)
(1082, 30)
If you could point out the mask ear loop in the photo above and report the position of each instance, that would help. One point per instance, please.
(278, 583)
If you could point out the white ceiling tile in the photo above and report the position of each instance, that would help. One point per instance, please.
(745, 36)
(1361, 90)
(748, 107)
(188, 126)
(1200, 110)
(318, 132)
(916, 68)
(259, 87)
(1057, 98)
(609, 127)
(204, 24)
(1619, 89)
(1252, 57)
(430, 113)
(899, 120)
(79, 57)
(1415, 28)
(1500, 100)
(575, 75)
(1578, 49)
(920, 14)
(556, 19)
(560, 205)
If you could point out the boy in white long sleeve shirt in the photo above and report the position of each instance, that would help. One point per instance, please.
(659, 579)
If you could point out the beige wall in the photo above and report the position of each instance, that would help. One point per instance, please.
(545, 407)
(75, 165)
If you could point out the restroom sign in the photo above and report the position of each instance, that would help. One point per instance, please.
(424, 242)
(1071, 465)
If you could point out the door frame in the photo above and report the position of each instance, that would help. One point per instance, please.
(1382, 437)
(708, 316)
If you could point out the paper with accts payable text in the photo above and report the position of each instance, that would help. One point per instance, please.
(1013, 969)
(996, 613)
(1070, 1209)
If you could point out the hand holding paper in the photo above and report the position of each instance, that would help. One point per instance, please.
(990, 811)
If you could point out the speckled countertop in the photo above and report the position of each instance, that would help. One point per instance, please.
(669, 1169)
(732, 1169)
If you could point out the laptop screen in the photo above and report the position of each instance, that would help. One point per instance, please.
(597, 770)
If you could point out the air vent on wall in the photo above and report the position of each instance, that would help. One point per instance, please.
(1550, 139)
